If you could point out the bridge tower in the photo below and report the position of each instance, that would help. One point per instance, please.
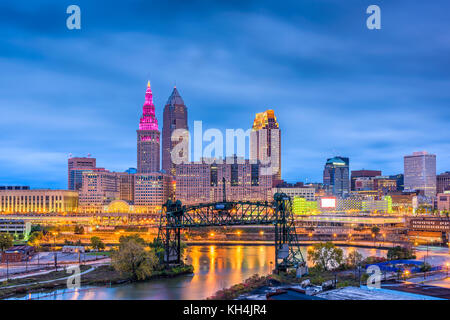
(175, 217)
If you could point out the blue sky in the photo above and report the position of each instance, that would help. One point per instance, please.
(337, 88)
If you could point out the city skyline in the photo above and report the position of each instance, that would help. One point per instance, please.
(334, 96)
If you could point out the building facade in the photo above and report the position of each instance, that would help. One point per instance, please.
(305, 192)
(98, 190)
(265, 143)
(420, 173)
(148, 143)
(14, 226)
(203, 182)
(76, 166)
(355, 174)
(152, 190)
(443, 182)
(38, 201)
(336, 176)
(174, 117)
(443, 201)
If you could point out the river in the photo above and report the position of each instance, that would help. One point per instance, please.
(216, 267)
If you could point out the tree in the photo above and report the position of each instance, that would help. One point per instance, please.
(79, 229)
(97, 243)
(35, 238)
(133, 259)
(354, 259)
(134, 237)
(398, 253)
(325, 256)
(375, 230)
(6, 241)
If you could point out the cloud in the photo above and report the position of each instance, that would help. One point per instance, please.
(335, 86)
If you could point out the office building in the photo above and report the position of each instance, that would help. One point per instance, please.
(336, 176)
(307, 193)
(76, 166)
(265, 144)
(420, 173)
(202, 182)
(98, 190)
(443, 201)
(174, 117)
(148, 144)
(355, 174)
(400, 181)
(443, 182)
(152, 190)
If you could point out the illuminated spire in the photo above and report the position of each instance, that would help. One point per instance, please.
(265, 120)
(148, 119)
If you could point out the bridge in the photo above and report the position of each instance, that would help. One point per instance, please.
(176, 217)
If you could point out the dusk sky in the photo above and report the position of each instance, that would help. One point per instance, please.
(337, 87)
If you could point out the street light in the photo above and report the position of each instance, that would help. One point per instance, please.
(406, 273)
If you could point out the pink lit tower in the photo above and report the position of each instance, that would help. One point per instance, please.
(148, 145)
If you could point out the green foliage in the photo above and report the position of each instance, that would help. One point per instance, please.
(425, 267)
(398, 253)
(354, 259)
(159, 249)
(35, 238)
(248, 285)
(79, 229)
(133, 237)
(6, 241)
(134, 259)
(97, 243)
(326, 256)
(39, 228)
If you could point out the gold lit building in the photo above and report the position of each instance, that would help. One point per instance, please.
(38, 201)
(265, 143)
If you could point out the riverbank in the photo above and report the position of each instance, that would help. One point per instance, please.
(101, 276)
(256, 284)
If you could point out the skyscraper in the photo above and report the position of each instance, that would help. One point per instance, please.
(148, 137)
(76, 166)
(265, 143)
(420, 173)
(175, 117)
(336, 175)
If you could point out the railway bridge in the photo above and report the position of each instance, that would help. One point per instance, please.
(176, 217)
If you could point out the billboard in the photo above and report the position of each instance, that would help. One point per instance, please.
(328, 202)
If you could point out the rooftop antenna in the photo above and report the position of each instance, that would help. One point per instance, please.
(89, 155)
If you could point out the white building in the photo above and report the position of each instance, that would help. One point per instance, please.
(420, 173)
(306, 193)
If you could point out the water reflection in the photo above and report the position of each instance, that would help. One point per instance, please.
(216, 267)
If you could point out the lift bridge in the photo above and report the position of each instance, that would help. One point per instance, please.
(175, 217)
